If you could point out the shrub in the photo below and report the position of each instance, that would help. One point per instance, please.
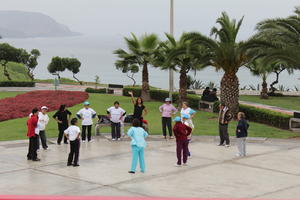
(17, 84)
(93, 90)
(263, 116)
(22, 104)
(137, 92)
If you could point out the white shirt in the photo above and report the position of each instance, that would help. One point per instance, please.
(116, 114)
(87, 116)
(43, 121)
(73, 132)
(188, 111)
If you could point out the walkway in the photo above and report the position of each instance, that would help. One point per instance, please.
(44, 86)
(271, 170)
(272, 108)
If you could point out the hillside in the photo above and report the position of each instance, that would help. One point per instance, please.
(19, 24)
(17, 72)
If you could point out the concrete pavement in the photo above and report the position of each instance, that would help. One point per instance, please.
(271, 170)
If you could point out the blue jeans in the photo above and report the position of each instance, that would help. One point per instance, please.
(137, 154)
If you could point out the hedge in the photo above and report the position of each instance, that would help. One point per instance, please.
(17, 84)
(93, 90)
(263, 116)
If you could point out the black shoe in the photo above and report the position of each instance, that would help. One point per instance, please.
(29, 158)
(76, 165)
(131, 172)
(58, 143)
(69, 164)
(37, 159)
(66, 143)
(220, 145)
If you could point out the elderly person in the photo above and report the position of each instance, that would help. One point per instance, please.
(33, 137)
(42, 123)
(224, 118)
(62, 117)
(167, 110)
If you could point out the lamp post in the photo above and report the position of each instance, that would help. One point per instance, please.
(171, 73)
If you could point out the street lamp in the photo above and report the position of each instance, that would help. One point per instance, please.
(171, 73)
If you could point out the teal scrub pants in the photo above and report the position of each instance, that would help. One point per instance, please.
(137, 154)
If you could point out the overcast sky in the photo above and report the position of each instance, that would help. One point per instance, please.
(120, 17)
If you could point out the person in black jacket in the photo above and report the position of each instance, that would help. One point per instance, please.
(62, 117)
(241, 134)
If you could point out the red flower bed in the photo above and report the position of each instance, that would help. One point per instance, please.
(22, 104)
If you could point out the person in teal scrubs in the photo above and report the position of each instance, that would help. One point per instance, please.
(138, 144)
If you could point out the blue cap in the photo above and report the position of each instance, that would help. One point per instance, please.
(86, 103)
(167, 100)
(177, 119)
(185, 116)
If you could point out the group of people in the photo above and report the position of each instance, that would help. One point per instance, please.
(210, 95)
(182, 129)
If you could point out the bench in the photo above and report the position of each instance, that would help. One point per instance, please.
(206, 106)
(98, 126)
(295, 124)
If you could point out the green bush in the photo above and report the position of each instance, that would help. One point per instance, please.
(137, 92)
(263, 116)
(93, 90)
(17, 84)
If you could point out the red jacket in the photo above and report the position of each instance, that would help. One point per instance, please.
(31, 125)
(181, 131)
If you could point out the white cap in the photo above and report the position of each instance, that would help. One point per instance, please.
(44, 107)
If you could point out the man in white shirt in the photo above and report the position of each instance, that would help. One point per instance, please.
(42, 123)
(73, 134)
(86, 114)
(116, 114)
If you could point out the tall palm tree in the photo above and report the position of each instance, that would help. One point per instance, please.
(140, 52)
(227, 54)
(181, 56)
(285, 32)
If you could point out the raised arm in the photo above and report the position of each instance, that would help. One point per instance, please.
(132, 97)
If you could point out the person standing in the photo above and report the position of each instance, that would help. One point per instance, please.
(181, 132)
(167, 110)
(187, 111)
(139, 108)
(32, 123)
(224, 118)
(62, 117)
(86, 114)
(42, 123)
(116, 114)
(73, 135)
(241, 134)
(138, 144)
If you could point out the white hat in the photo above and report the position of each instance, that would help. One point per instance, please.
(44, 107)
(167, 100)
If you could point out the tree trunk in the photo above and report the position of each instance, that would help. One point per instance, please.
(230, 92)
(264, 90)
(182, 86)
(5, 72)
(145, 83)
(133, 80)
(30, 74)
(80, 82)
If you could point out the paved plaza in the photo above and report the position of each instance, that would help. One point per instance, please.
(271, 170)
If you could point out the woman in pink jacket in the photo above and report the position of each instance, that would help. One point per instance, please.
(167, 110)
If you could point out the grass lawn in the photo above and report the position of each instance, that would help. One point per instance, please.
(292, 103)
(205, 123)
(9, 94)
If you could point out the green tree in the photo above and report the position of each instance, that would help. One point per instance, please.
(181, 56)
(225, 53)
(32, 62)
(56, 66)
(140, 52)
(73, 65)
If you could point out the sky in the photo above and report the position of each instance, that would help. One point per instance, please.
(120, 17)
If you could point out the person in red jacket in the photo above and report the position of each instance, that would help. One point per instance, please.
(181, 132)
(31, 134)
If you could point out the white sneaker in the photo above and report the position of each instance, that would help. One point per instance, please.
(176, 165)
(119, 139)
(185, 164)
(91, 141)
(238, 155)
(83, 141)
(227, 145)
(113, 139)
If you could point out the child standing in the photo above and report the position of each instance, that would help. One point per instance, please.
(138, 144)
(86, 114)
(241, 134)
(181, 132)
(116, 114)
(73, 135)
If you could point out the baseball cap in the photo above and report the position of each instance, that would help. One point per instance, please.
(86, 103)
(185, 116)
(44, 107)
(167, 99)
(177, 119)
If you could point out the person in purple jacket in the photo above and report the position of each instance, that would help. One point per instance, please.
(167, 110)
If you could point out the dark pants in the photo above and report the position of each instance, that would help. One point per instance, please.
(223, 131)
(166, 122)
(61, 129)
(115, 130)
(43, 139)
(74, 152)
(89, 130)
(182, 151)
(33, 146)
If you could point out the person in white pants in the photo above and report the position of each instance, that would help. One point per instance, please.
(241, 134)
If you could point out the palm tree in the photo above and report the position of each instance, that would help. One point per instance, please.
(285, 32)
(225, 53)
(140, 52)
(180, 56)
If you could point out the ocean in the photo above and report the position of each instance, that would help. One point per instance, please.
(95, 54)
